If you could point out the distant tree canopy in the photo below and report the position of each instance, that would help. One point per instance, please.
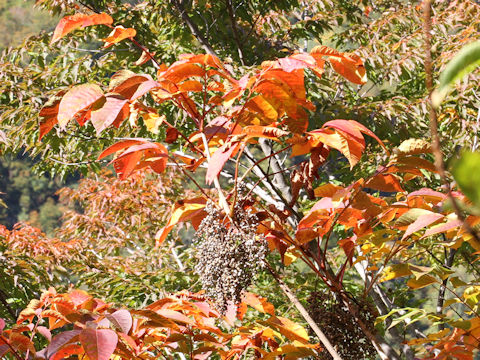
(19, 19)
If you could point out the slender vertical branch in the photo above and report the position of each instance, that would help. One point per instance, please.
(441, 292)
(3, 300)
(279, 179)
(436, 148)
(236, 35)
(324, 340)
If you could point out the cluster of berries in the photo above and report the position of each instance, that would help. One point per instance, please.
(229, 253)
(341, 328)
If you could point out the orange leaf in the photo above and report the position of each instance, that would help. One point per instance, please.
(350, 66)
(67, 351)
(118, 34)
(190, 209)
(76, 99)
(268, 132)
(384, 182)
(347, 145)
(49, 114)
(191, 85)
(263, 107)
(21, 342)
(73, 22)
(178, 72)
(258, 303)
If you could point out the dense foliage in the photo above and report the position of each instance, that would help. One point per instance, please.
(295, 141)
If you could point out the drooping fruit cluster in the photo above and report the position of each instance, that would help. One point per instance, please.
(229, 253)
(341, 328)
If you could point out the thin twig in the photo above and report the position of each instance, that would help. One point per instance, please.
(436, 148)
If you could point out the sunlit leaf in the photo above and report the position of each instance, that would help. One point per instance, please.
(73, 22)
(99, 344)
(467, 60)
(118, 34)
(78, 98)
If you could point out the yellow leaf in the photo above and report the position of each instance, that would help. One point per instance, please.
(184, 210)
(153, 121)
(421, 282)
(395, 271)
(289, 329)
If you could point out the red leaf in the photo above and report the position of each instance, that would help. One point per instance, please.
(296, 62)
(109, 113)
(125, 166)
(131, 85)
(176, 316)
(4, 349)
(118, 34)
(119, 146)
(354, 129)
(60, 340)
(443, 227)
(348, 246)
(218, 160)
(348, 127)
(76, 99)
(79, 297)
(70, 23)
(99, 344)
(154, 156)
(171, 136)
(122, 319)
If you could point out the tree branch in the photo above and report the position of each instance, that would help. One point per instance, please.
(278, 178)
(436, 148)
(193, 27)
(3, 300)
(443, 287)
(236, 35)
(324, 340)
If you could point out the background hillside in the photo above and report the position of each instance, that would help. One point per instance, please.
(19, 19)
(28, 197)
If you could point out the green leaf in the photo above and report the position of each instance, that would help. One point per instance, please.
(467, 175)
(467, 60)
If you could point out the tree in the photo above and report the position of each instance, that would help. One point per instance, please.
(210, 116)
